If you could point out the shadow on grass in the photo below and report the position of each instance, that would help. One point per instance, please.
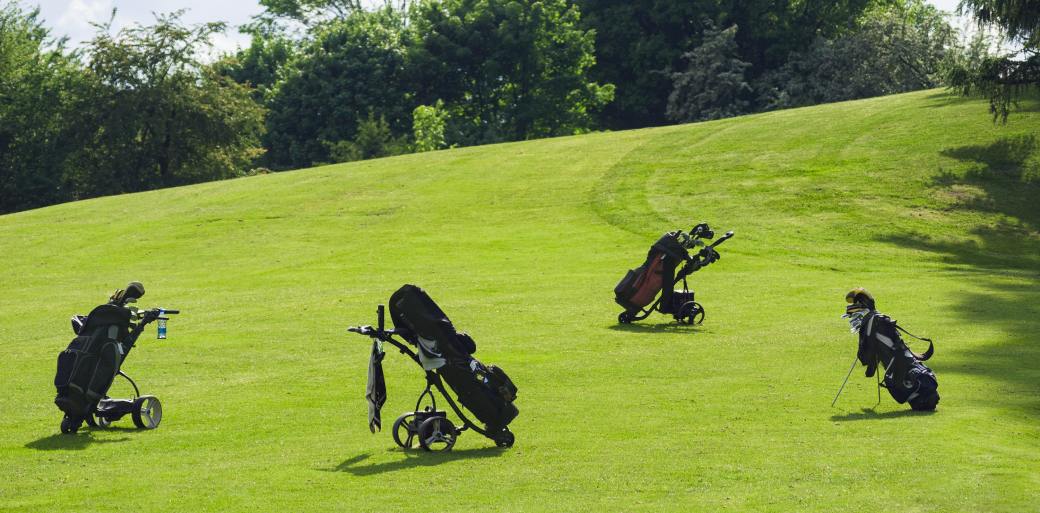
(950, 97)
(76, 442)
(663, 327)
(869, 414)
(946, 98)
(1000, 258)
(411, 459)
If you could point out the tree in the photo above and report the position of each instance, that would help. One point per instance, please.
(505, 69)
(637, 45)
(258, 66)
(640, 44)
(373, 139)
(428, 124)
(352, 67)
(1003, 79)
(311, 13)
(35, 75)
(713, 85)
(152, 115)
(893, 49)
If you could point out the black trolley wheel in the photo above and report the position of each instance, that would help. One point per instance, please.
(147, 412)
(70, 426)
(404, 427)
(505, 438)
(690, 313)
(95, 420)
(625, 318)
(437, 434)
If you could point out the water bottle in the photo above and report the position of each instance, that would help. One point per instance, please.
(162, 329)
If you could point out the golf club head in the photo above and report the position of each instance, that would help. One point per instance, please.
(134, 290)
(702, 230)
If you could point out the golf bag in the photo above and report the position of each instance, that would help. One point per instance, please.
(90, 363)
(651, 286)
(446, 355)
(88, 366)
(906, 378)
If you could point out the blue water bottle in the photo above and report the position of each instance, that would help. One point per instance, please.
(162, 329)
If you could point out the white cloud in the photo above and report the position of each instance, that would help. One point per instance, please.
(75, 19)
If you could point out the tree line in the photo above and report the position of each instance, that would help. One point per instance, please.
(327, 81)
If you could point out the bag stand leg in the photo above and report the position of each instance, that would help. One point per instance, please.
(844, 382)
(878, 403)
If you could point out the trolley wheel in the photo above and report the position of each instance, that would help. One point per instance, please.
(624, 318)
(147, 412)
(505, 438)
(437, 434)
(69, 426)
(102, 421)
(404, 430)
(690, 313)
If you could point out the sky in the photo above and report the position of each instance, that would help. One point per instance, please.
(73, 18)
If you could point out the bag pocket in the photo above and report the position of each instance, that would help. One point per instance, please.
(625, 287)
(465, 344)
(104, 371)
(499, 381)
(66, 362)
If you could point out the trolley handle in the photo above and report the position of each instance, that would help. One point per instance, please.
(722, 239)
(378, 332)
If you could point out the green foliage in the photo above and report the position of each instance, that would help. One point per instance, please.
(505, 69)
(637, 43)
(352, 67)
(259, 65)
(35, 75)
(713, 85)
(428, 124)
(640, 44)
(311, 12)
(1003, 78)
(152, 115)
(892, 49)
(373, 139)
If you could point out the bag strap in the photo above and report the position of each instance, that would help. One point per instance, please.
(931, 347)
(900, 328)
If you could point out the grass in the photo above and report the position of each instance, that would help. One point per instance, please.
(918, 197)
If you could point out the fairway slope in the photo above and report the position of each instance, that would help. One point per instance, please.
(920, 198)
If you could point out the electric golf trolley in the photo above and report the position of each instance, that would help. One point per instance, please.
(446, 356)
(90, 364)
(667, 263)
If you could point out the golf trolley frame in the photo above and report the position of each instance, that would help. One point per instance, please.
(144, 410)
(429, 427)
(683, 308)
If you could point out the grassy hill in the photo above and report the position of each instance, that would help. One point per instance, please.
(918, 197)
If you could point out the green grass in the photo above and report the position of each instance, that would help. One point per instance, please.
(918, 197)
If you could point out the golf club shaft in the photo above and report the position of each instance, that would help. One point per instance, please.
(844, 382)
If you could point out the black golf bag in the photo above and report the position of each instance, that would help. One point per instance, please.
(88, 366)
(667, 263)
(90, 363)
(446, 356)
(907, 379)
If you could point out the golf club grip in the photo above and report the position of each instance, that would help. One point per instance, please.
(173, 312)
(722, 239)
